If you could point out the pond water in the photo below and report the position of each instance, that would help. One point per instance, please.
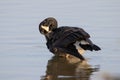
(24, 55)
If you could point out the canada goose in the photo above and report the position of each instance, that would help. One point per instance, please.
(66, 39)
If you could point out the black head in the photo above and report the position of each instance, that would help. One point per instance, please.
(48, 25)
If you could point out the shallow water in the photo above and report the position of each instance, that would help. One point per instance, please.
(23, 53)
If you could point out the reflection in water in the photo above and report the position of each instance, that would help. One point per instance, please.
(108, 76)
(59, 68)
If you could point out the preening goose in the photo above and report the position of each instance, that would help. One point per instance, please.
(66, 39)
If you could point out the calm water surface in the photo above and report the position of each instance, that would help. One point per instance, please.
(23, 53)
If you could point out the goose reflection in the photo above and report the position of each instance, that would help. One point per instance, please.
(60, 68)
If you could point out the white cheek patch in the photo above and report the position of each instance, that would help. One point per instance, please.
(46, 28)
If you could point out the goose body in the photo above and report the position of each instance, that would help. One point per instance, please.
(66, 39)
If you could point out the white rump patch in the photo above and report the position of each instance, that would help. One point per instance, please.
(84, 42)
(80, 50)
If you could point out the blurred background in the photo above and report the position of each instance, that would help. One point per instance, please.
(23, 53)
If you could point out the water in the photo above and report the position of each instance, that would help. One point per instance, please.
(23, 53)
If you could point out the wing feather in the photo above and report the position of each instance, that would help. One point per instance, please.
(68, 35)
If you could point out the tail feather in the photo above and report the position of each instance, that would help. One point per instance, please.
(90, 47)
(96, 48)
(87, 47)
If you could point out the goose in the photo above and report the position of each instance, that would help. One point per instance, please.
(66, 39)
